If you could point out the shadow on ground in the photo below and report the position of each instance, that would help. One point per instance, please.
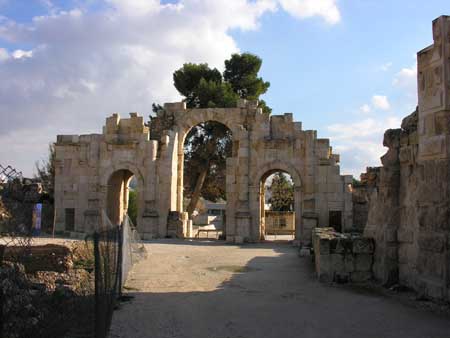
(274, 294)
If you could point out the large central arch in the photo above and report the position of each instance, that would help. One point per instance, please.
(228, 119)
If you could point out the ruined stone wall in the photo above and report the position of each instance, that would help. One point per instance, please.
(262, 144)
(17, 200)
(409, 214)
(86, 163)
(342, 257)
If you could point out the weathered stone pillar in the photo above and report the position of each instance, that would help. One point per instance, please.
(242, 214)
(433, 204)
(299, 230)
(384, 213)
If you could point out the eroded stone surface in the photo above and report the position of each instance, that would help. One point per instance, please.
(409, 212)
(92, 172)
(342, 257)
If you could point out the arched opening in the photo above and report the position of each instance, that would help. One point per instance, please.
(277, 206)
(122, 196)
(206, 148)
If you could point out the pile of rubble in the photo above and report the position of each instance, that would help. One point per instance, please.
(17, 200)
(49, 257)
(40, 296)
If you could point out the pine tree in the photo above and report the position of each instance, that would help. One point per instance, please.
(282, 193)
(209, 144)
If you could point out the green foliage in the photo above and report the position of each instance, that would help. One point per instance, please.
(187, 80)
(282, 193)
(46, 171)
(356, 182)
(203, 87)
(208, 145)
(212, 94)
(156, 108)
(241, 72)
(265, 108)
(132, 206)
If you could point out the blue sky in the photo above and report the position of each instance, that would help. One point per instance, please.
(343, 67)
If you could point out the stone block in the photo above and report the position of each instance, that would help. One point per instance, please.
(341, 277)
(363, 246)
(391, 252)
(363, 262)
(390, 235)
(324, 268)
(431, 288)
(349, 263)
(238, 239)
(403, 254)
(433, 243)
(175, 106)
(405, 236)
(360, 276)
(337, 262)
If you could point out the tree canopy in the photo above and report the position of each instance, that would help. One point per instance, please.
(46, 171)
(281, 193)
(209, 144)
(241, 72)
(203, 87)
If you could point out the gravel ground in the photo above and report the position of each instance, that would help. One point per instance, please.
(215, 290)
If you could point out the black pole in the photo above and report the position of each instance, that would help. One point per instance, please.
(98, 325)
(120, 259)
(2, 251)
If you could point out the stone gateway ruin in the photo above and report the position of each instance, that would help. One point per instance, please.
(93, 171)
(402, 208)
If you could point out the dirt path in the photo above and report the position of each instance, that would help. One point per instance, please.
(214, 290)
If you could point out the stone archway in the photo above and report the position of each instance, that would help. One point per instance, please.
(263, 173)
(117, 195)
(154, 154)
(183, 130)
(115, 183)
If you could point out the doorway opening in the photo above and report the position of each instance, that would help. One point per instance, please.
(122, 197)
(277, 199)
(335, 220)
(206, 149)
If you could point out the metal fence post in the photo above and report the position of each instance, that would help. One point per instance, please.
(98, 321)
(120, 259)
(2, 251)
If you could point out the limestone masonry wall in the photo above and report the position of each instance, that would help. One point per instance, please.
(409, 209)
(342, 257)
(93, 171)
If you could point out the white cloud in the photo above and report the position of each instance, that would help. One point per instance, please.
(361, 143)
(385, 67)
(83, 66)
(19, 54)
(381, 102)
(327, 9)
(136, 7)
(365, 109)
(406, 79)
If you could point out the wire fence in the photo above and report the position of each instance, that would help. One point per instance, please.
(8, 173)
(116, 249)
